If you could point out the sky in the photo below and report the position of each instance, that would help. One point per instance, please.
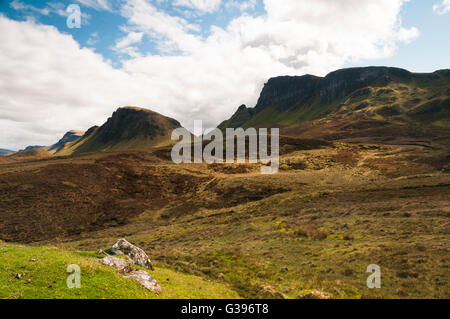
(191, 59)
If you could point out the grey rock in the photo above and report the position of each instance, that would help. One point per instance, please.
(136, 254)
(120, 264)
(147, 281)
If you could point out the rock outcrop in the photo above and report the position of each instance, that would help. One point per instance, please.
(147, 281)
(134, 255)
(119, 264)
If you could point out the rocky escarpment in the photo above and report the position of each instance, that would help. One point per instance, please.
(341, 83)
(350, 99)
(285, 90)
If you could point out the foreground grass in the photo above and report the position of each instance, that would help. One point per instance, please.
(48, 278)
(314, 226)
(320, 238)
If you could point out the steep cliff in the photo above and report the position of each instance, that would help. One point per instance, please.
(351, 101)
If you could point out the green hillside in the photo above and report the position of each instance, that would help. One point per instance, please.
(46, 277)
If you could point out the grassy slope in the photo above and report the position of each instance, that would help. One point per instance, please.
(48, 277)
(344, 211)
(316, 225)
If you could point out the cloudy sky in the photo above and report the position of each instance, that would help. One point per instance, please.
(191, 59)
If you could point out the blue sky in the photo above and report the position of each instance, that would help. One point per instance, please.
(191, 59)
(431, 50)
(101, 28)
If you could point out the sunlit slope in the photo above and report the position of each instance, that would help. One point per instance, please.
(44, 276)
(129, 128)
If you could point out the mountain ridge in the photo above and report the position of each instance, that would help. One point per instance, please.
(377, 94)
(367, 102)
(68, 137)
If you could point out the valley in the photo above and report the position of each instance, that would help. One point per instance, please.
(364, 178)
(314, 226)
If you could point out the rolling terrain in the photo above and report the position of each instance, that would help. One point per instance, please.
(314, 226)
(364, 179)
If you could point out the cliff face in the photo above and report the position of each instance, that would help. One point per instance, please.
(336, 85)
(341, 83)
(370, 97)
(284, 90)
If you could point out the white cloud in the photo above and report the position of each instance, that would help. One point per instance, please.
(230, 66)
(18, 5)
(125, 45)
(50, 8)
(159, 25)
(97, 4)
(442, 8)
(206, 6)
(48, 84)
(243, 6)
(44, 75)
(93, 39)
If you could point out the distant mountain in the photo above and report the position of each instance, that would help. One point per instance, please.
(67, 138)
(31, 154)
(349, 103)
(30, 148)
(129, 128)
(5, 152)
